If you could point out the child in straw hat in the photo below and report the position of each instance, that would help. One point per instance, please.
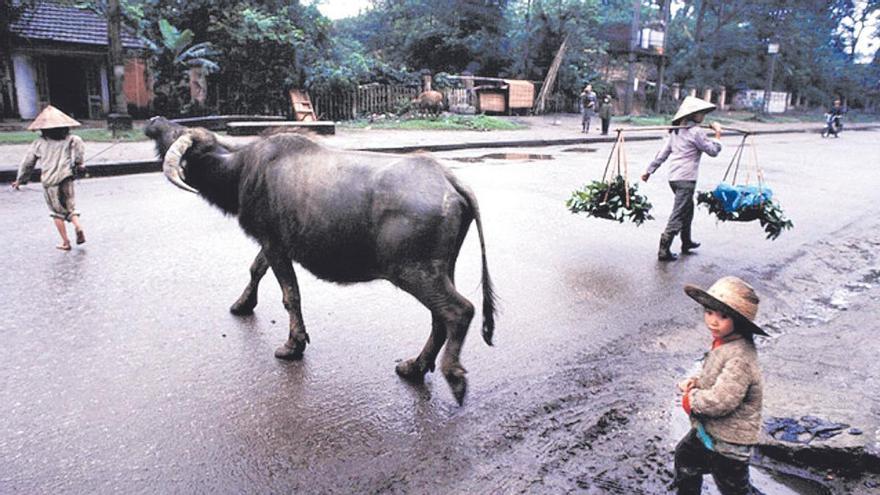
(683, 149)
(59, 154)
(724, 400)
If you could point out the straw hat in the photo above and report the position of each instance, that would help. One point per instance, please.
(690, 106)
(52, 118)
(733, 296)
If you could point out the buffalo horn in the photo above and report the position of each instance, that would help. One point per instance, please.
(171, 164)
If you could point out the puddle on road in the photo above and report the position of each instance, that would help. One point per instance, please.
(581, 150)
(502, 156)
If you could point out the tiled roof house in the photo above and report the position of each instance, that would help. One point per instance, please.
(59, 54)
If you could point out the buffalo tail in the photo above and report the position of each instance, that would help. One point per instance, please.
(489, 298)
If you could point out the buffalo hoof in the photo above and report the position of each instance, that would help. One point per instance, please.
(457, 382)
(241, 310)
(290, 353)
(410, 370)
(243, 307)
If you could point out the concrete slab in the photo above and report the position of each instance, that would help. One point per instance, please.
(254, 128)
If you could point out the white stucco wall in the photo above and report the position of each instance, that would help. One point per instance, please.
(25, 86)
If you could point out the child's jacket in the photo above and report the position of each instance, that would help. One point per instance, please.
(729, 393)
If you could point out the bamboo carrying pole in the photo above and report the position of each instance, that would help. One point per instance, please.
(673, 127)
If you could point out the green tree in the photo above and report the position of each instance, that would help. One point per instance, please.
(539, 30)
(716, 42)
(449, 36)
(263, 48)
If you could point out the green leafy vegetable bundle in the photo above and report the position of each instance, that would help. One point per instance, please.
(601, 199)
(767, 212)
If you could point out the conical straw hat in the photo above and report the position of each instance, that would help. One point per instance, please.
(690, 106)
(52, 118)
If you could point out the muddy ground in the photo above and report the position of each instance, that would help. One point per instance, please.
(123, 370)
(825, 299)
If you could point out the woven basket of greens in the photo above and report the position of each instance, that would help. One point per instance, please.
(614, 200)
(613, 197)
(746, 204)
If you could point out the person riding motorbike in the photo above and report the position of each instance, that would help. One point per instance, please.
(833, 120)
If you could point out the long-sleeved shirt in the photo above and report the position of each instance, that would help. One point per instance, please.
(683, 151)
(587, 101)
(56, 159)
(728, 394)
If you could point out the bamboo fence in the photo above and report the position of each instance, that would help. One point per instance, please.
(384, 99)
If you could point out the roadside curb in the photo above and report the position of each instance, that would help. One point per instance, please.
(846, 460)
(147, 166)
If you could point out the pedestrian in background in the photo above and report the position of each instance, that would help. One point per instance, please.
(605, 113)
(683, 148)
(59, 155)
(724, 400)
(587, 103)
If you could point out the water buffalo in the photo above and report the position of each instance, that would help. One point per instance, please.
(345, 216)
(430, 101)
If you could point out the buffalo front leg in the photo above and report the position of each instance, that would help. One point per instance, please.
(298, 338)
(247, 301)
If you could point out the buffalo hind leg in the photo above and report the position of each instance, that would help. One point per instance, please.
(282, 266)
(414, 369)
(451, 315)
(247, 301)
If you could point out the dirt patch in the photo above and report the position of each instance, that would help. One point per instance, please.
(605, 424)
(502, 156)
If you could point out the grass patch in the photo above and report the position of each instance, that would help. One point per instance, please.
(666, 119)
(93, 135)
(643, 120)
(440, 123)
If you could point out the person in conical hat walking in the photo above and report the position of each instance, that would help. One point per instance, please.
(59, 154)
(683, 149)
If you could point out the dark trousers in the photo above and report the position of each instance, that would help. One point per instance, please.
(693, 460)
(585, 120)
(605, 124)
(682, 209)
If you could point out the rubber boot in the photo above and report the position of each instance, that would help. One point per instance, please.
(664, 254)
(687, 244)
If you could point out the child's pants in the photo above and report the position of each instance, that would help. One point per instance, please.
(693, 460)
(61, 199)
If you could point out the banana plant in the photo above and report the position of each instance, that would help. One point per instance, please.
(179, 43)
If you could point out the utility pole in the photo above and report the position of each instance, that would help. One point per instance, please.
(633, 42)
(773, 51)
(664, 17)
(118, 119)
(528, 39)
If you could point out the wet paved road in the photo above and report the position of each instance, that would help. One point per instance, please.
(122, 369)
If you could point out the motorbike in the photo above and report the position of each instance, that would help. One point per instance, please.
(833, 125)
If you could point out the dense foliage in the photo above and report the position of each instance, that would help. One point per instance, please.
(265, 47)
(724, 42)
(611, 200)
(262, 48)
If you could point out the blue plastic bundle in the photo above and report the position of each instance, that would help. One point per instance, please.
(732, 203)
(736, 198)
